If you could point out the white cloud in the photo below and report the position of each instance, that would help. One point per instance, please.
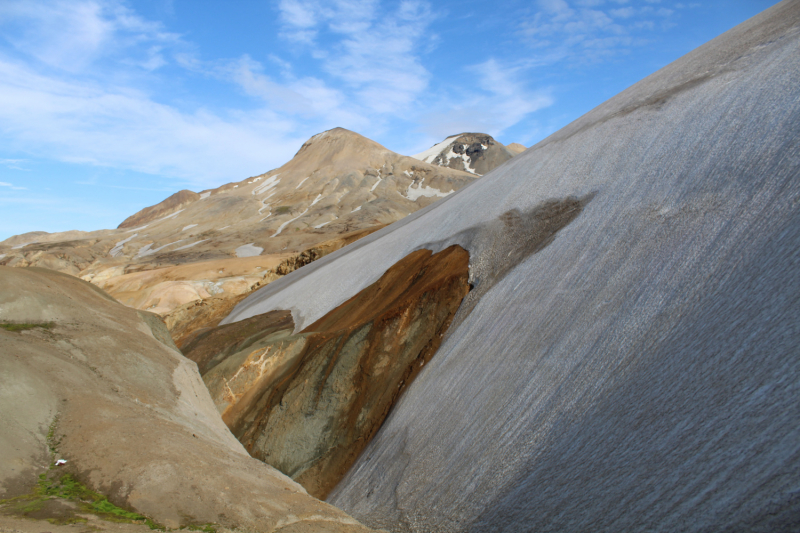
(82, 100)
(14, 164)
(373, 52)
(11, 186)
(587, 30)
(84, 122)
(504, 101)
(72, 34)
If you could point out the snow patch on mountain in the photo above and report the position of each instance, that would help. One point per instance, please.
(117, 249)
(188, 245)
(280, 229)
(267, 185)
(248, 250)
(415, 194)
(430, 154)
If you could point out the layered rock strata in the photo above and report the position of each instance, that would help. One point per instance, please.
(308, 403)
(640, 371)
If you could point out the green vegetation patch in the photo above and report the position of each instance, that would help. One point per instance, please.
(61, 499)
(22, 326)
(283, 210)
(46, 501)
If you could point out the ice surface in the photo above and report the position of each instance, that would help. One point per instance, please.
(430, 154)
(117, 249)
(271, 182)
(190, 226)
(640, 371)
(189, 245)
(248, 250)
(302, 182)
(380, 179)
(145, 250)
(414, 194)
(280, 229)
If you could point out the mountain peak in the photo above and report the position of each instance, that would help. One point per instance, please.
(338, 138)
(477, 153)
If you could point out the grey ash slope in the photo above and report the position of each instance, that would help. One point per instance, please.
(636, 370)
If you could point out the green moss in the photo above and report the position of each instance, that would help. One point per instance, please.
(67, 488)
(206, 528)
(52, 443)
(22, 326)
(283, 210)
(70, 489)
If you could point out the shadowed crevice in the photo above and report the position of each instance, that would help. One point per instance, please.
(308, 403)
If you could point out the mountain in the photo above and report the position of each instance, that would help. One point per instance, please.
(339, 187)
(477, 153)
(105, 422)
(516, 148)
(308, 402)
(626, 358)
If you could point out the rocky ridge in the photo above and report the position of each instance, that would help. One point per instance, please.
(635, 370)
(338, 185)
(477, 153)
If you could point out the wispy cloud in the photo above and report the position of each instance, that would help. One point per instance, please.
(14, 164)
(70, 35)
(499, 99)
(374, 52)
(84, 122)
(590, 30)
(75, 80)
(11, 186)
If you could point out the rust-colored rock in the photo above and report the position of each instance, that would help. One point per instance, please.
(163, 208)
(308, 403)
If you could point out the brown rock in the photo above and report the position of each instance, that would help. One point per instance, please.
(477, 153)
(129, 414)
(308, 403)
(516, 148)
(339, 187)
(161, 209)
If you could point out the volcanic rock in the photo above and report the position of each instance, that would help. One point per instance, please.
(168, 206)
(477, 153)
(516, 148)
(338, 185)
(639, 371)
(308, 403)
(102, 387)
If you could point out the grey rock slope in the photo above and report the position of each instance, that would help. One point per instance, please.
(633, 366)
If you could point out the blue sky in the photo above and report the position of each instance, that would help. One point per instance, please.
(107, 106)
